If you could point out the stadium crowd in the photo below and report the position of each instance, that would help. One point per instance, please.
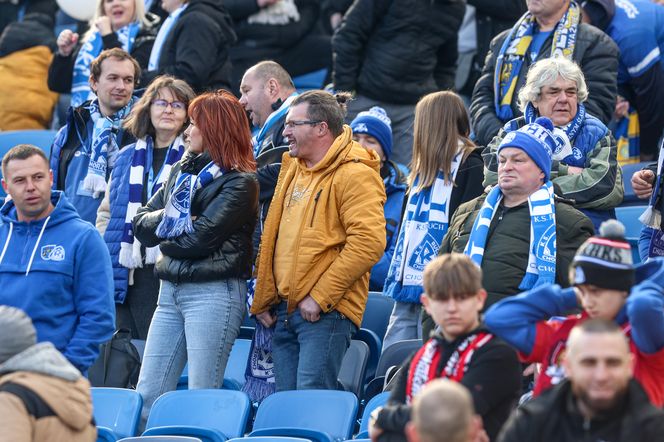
(462, 158)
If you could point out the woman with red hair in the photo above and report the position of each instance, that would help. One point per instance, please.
(202, 220)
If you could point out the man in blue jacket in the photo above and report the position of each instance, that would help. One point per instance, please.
(53, 265)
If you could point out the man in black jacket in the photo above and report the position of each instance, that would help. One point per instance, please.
(391, 53)
(549, 28)
(598, 401)
(463, 351)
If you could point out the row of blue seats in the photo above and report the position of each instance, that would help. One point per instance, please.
(220, 415)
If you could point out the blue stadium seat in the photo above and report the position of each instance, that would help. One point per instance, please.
(628, 170)
(40, 138)
(269, 439)
(161, 439)
(377, 401)
(374, 343)
(312, 80)
(235, 368)
(629, 216)
(377, 314)
(317, 415)
(353, 367)
(117, 412)
(210, 415)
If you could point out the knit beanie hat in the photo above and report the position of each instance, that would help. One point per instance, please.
(536, 140)
(376, 123)
(605, 260)
(16, 332)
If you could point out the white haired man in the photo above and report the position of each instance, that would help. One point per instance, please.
(584, 164)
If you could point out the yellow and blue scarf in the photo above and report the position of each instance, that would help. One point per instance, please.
(514, 49)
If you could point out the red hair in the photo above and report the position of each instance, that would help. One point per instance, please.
(224, 127)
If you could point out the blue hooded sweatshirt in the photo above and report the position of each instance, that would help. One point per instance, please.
(58, 271)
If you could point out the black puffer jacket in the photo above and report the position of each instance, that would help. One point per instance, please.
(220, 246)
(554, 417)
(196, 49)
(397, 51)
(594, 51)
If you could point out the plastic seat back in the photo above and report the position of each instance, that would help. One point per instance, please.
(629, 216)
(396, 354)
(117, 409)
(377, 314)
(377, 401)
(353, 366)
(212, 415)
(161, 439)
(319, 415)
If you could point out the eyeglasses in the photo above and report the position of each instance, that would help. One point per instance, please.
(292, 124)
(163, 104)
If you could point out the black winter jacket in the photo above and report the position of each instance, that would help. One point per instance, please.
(196, 49)
(493, 378)
(256, 41)
(397, 51)
(61, 70)
(554, 417)
(220, 246)
(595, 53)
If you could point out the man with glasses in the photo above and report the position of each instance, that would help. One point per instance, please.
(584, 165)
(324, 231)
(84, 150)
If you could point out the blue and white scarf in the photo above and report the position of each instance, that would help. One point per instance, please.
(92, 47)
(164, 30)
(542, 249)
(130, 247)
(103, 146)
(274, 117)
(513, 52)
(564, 136)
(424, 225)
(177, 213)
(652, 217)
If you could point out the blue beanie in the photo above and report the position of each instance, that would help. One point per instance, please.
(377, 124)
(536, 140)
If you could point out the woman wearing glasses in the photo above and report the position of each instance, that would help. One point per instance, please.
(202, 220)
(157, 121)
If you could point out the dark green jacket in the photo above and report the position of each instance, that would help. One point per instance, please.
(506, 252)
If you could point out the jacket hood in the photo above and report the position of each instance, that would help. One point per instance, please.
(36, 29)
(47, 373)
(62, 211)
(344, 150)
(42, 358)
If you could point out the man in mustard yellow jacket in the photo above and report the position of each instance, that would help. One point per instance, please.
(324, 231)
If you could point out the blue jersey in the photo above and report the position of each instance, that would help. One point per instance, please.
(638, 30)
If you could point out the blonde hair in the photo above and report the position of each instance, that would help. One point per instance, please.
(441, 124)
(139, 16)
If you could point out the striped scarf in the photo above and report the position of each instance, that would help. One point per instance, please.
(92, 47)
(542, 249)
(627, 134)
(130, 247)
(424, 225)
(564, 136)
(274, 117)
(177, 213)
(103, 146)
(513, 52)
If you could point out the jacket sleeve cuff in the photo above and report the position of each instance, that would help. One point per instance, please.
(324, 303)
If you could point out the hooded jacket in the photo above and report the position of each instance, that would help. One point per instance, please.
(44, 398)
(342, 237)
(57, 270)
(197, 47)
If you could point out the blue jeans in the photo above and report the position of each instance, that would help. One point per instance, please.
(194, 322)
(308, 355)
